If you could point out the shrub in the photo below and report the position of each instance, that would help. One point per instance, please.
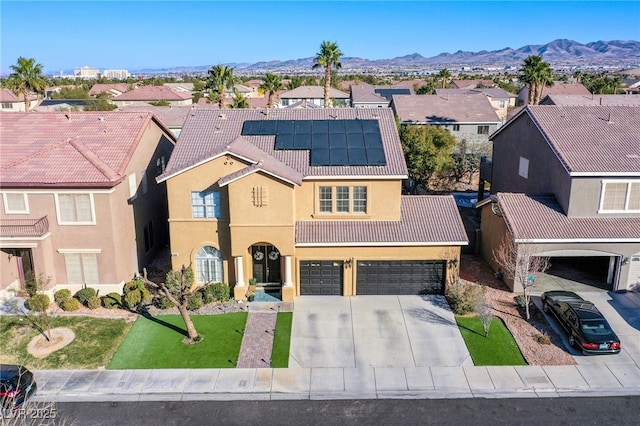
(112, 301)
(84, 294)
(195, 302)
(61, 295)
(163, 302)
(543, 339)
(39, 302)
(93, 302)
(135, 295)
(462, 298)
(521, 301)
(70, 304)
(216, 292)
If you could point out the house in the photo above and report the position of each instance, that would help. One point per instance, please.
(80, 205)
(627, 100)
(10, 102)
(305, 202)
(368, 96)
(311, 97)
(631, 86)
(566, 183)
(473, 84)
(146, 94)
(180, 87)
(557, 89)
(172, 117)
(500, 99)
(467, 117)
(113, 89)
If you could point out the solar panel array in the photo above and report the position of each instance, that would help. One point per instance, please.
(331, 142)
(388, 93)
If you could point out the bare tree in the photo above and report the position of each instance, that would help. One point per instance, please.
(483, 310)
(519, 262)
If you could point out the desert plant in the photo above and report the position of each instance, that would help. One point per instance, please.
(94, 302)
(163, 302)
(61, 295)
(462, 297)
(135, 295)
(195, 302)
(216, 292)
(39, 302)
(84, 294)
(112, 301)
(543, 339)
(71, 304)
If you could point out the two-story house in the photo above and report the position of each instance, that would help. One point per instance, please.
(308, 200)
(558, 88)
(368, 96)
(80, 204)
(500, 99)
(311, 97)
(566, 181)
(146, 94)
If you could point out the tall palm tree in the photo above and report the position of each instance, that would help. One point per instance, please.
(537, 74)
(239, 100)
(328, 57)
(27, 76)
(220, 80)
(271, 83)
(444, 75)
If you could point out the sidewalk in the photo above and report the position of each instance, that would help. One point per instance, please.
(338, 383)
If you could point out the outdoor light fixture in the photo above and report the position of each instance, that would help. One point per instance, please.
(348, 263)
(625, 261)
(454, 262)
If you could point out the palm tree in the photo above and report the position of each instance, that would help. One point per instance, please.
(239, 100)
(444, 75)
(27, 76)
(328, 57)
(271, 83)
(220, 79)
(537, 74)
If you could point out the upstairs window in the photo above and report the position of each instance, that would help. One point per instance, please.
(325, 199)
(342, 199)
(456, 127)
(75, 209)
(15, 203)
(483, 130)
(205, 204)
(620, 196)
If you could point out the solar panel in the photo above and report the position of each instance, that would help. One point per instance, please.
(336, 126)
(269, 127)
(337, 140)
(285, 126)
(375, 157)
(320, 157)
(353, 126)
(319, 140)
(338, 156)
(355, 140)
(284, 141)
(357, 157)
(370, 126)
(320, 127)
(388, 93)
(250, 127)
(302, 126)
(372, 140)
(302, 141)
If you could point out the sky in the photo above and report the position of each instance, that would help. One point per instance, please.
(134, 35)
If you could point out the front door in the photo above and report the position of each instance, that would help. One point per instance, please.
(25, 259)
(266, 263)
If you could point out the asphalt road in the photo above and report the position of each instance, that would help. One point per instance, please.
(619, 410)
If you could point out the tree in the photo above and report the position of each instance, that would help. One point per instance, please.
(427, 150)
(27, 76)
(295, 82)
(220, 80)
(100, 103)
(239, 100)
(518, 261)
(328, 57)
(483, 311)
(537, 74)
(444, 75)
(179, 289)
(271, 83)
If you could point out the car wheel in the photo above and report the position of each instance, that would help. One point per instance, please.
(545, 307)
(572, 341)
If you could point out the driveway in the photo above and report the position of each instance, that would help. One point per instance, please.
(375, 331)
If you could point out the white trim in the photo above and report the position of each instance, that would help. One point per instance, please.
(41, 238)
(93, 209)
(6, 202)
(79, 251)
(604, 174)
(385, 244)
(63, 191)
(359, 177)
(577, 240)
(258, 169)
(206, 160)
(628, 183)
(18, 245)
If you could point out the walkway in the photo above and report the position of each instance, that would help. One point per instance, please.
(257, 341)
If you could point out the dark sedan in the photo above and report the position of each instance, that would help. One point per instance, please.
(17, 386)
(588, 330)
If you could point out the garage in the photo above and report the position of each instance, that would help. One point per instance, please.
(321, 277)
(594, 271)
(400, 277)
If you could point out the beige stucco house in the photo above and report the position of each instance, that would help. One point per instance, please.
(305, 202)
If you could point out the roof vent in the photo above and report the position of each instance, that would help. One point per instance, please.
(222, 116)
(100, 118)
(68, 116)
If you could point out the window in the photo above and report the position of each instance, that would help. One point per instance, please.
(161, 162)
(620, 196)
(148, 237)
(325, 199)
(75, 208)
(342, 199)
(7, 105)
(523, 168)
(456, 127)
(82, 268)
(501, 104)
(208, 265)
(206, 204)
(483, 130)
(347, 199)
(359, 199)
(260, 196)
(15, 203)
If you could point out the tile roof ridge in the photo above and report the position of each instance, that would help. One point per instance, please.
(45, 149)
(96, 161)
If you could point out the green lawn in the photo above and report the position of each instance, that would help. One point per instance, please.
(282, 340)
(498, 348)
(157, 343)
(96, 341)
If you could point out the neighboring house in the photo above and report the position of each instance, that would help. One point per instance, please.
(80, 204)
(146, 94)
(467, 117)
(113, 90)
(622, 100)
(630, 86)
(368, 96)
(172, 117)
(500, 99)
(245, 91)
(254, 103)
(10, 102)
(180, 87)
(566, 182)
(311, 97)
(557, 89)
(53, 105)
(306, 202)
(472, 84)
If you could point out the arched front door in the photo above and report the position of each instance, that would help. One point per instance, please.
(266, 263)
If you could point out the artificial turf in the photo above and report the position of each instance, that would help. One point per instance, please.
(498, 348)
(282, 340)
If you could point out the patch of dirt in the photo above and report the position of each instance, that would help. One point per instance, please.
(58, 338)
(95, 313)
(475, 271)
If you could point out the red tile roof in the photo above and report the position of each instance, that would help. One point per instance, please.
(96, 89)
(539, 218)
(425, 220)
(152, 93)
(7, 95)
(68, 149)
(444, 109)
(565, 89)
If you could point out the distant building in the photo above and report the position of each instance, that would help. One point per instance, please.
(118, 74)
(86, 72)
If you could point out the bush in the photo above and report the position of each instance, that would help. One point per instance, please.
(163, 302)
(135, 295)
(543, 339)
(83, 295)
(195, 302)
(70, 304)
(217, 292)
(112, 301)
(462, 298)
(39, 302)
(61, 295)
(94, 302)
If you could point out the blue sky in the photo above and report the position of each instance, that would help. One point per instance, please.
(157, 34)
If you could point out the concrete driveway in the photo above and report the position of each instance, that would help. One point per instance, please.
(375, 331)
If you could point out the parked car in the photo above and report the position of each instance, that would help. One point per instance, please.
(588, 330)
(17, 386)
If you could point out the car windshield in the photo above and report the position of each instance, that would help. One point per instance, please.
(597, 327)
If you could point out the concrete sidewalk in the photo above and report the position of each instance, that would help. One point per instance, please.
(337, 383)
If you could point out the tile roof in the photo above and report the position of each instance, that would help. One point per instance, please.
(590, 139)
(565, 89)
(444, 109)
(558, 99)
(152, 93)
(496, 93)
(7, 95)
(472, 84)
(312, 92)
(206, 131)
(425, 220)
(540, 218)
(68, 149)
(173, 116)
(98, 88)
(365, 94)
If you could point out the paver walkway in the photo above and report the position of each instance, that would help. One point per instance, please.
(257, 342)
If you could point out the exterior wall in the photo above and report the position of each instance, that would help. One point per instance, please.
(585, 197)
(15, 106)
(492, 231)
(370, 105)
(9, 275)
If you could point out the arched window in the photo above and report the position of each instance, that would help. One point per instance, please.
(208, 265)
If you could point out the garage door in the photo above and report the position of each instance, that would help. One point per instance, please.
(321, 277)
(400, 277)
